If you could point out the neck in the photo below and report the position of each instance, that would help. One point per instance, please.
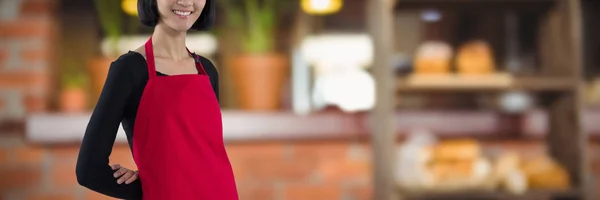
(169, 43)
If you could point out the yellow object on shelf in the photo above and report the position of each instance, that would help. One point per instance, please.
(458, 165)
(459, 150)
(544, 173)
(463, 167)
(321, 7)
(475, 57)
(433, 58)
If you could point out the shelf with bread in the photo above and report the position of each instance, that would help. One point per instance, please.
(429, 168)
(497, 82)
(479, 46)
(472, 67)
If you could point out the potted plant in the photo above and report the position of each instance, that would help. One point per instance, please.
(110, 16)
(258, 70)
(73, 96)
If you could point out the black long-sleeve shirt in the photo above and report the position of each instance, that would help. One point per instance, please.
(118, 104)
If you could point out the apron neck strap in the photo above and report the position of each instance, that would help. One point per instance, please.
(150, 58)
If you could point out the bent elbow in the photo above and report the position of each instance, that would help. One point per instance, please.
(84, 173)
(83, 176)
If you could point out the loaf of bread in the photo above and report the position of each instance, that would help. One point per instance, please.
(515, 182)
(433, 58)
(475, 57)
(447, 170)
(461, 175)
(508, 175)
(544, 173)
(456, 151)
(458, 165)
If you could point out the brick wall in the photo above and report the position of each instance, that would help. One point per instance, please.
(26, 39)
(264, 171)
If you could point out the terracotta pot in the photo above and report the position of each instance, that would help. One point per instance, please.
(98, 69)
(73, 100)
(258, 80)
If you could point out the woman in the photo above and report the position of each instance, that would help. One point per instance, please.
(166, 99)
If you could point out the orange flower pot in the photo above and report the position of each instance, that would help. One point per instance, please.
(259, 80)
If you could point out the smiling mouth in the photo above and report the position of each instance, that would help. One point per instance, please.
(182, 13)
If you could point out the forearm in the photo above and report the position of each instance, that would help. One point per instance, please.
(99, 178)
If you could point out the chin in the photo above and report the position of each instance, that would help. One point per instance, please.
(181, 28)
(178, 25)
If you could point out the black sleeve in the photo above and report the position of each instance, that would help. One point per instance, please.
(93, 170)
(212, 72)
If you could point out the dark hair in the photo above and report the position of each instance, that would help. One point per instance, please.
(148, 14)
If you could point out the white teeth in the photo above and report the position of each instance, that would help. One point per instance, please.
(182, 13)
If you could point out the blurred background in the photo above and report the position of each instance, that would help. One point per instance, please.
(490, 98)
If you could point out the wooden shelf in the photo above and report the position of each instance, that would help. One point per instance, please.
(475, 5)
(456, 83)
(471, 195)
(558, 50)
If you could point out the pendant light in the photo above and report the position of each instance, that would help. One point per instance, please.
(321, 7)
(130, 7)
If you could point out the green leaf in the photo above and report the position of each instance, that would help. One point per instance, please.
(254, 21)
(110, 16)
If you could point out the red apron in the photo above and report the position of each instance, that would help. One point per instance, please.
(178, 138)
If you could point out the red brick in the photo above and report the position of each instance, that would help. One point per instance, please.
(256, 192)
(50, 196)
(337, 171)
(63, 174)
(28, 155)
(335, 164)
(19, 178)
(256, 150)
(360, 192)
(36, 8)
(35, 103)
(3, 154)
(240, 155)
(25, 28)
(64, 153)
(23, 80)
(306, 192)
(269, 170)
(32, 55)
(3, 56)
(321, 150)
(239, 169)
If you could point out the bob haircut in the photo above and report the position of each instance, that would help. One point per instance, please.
(148, 14)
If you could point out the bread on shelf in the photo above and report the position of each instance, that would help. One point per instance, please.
(462, 165)
(544, 173)
(433, 57)
(456, 150)
(475, 57)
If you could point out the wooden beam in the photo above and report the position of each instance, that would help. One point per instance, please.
(380, 22)
(566, 137)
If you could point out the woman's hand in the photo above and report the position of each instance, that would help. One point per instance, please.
(124, 175)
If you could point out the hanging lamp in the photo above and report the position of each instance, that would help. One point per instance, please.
(321, 7)
(130, 7)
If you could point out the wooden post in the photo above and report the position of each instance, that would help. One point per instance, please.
(380, 16)
(567, 140)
